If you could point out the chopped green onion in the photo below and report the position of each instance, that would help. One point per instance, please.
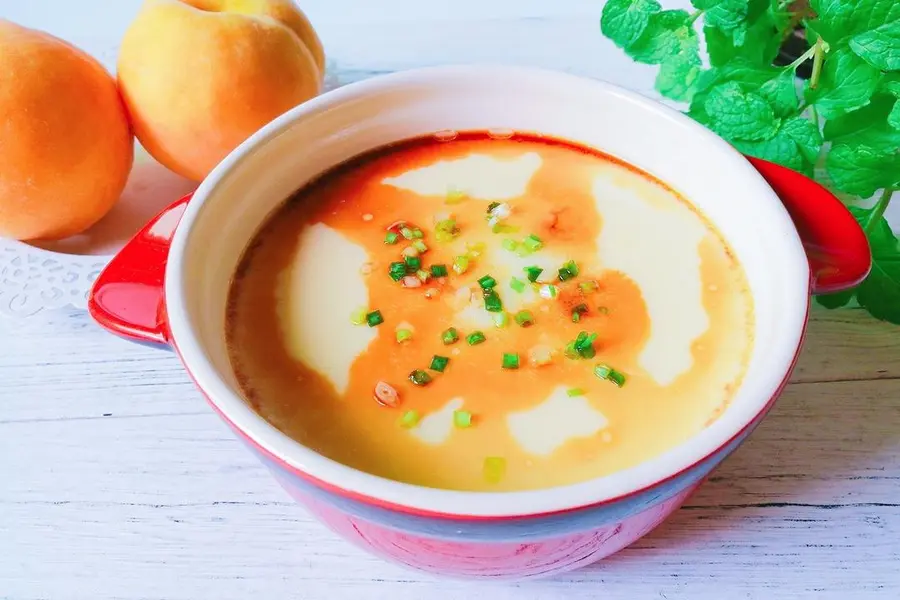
(548, 291)
(571, 352)
(406, 232)
(573, 392)
(462, 419)
(446, 230)
(577, 311)
(523, 251)
(588, 287)
(391, 238)
(409, 419)
(423, 275)
(420, 246)
(503, 228)
(584, 344)
(584, 340)
(450, 336)
(409, 251)
(493, 469)
(501, 319)
(404, 335)
(374, 318)
(460, 265)
(443, 237)
(487, 282)
(417, 234)
(524, 318)
(358, 316)
(510, 245)
(475, 338)
(413, 263)
(439, 363)
(448, 225)
(439, 270)
(533, 243)
(492, 302)
(568, 271)
(397, 270)
(510, 360)
(492, 206)
(474, 250)
(608, 373)
(533, 273)
(420, 377)
(517, 285)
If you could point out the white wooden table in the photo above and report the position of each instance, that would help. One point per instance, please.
(119, 482)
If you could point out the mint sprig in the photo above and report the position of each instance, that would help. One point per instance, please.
(845, 121)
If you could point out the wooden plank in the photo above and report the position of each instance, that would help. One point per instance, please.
(848, 344)
(174, 507)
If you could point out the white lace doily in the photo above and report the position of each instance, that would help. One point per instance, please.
(33, 279)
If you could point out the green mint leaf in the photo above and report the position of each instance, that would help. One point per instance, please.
(760, 44)
(755, 40)
(738, 115)
(748, 76)
(860, 119)
(781, 94)
(781, 149)
(893, 118)
(836, 300)
(847, 82)
(879, 47)
(806, 135)
(839, 19)
(867, 126)
(668, 33)
(891, 84)
(623, 21)
(677, 77)
(880, 292)
(862, 170)
(795, 145)
(724, 14)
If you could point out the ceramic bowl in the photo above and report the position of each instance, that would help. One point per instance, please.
(169, 287)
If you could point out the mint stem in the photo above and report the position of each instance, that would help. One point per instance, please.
(803, 58)
(818, 59)
(696, 15)
(878, 210)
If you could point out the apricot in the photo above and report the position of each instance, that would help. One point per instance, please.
(200, 76)
(66, 148)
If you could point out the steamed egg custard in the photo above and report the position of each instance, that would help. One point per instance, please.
(489, 313)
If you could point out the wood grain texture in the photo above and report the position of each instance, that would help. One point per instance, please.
(120, 483)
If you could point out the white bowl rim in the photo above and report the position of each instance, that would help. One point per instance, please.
(468, 504)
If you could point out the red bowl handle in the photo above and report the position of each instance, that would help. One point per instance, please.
(836, 246)
(127, 297)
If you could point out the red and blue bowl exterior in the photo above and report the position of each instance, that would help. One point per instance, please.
(510, 548)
